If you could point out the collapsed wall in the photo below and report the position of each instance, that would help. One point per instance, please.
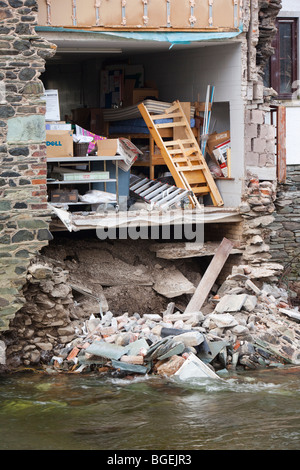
(24, 219)
(48, 317)
(75, 279)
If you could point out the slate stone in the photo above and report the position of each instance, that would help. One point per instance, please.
(176, 349)
(109, 351)
(44, 234)
(130, 367)
(23, 29)
(6, 111)
(27, 74)
(20, 205)
(15, 3)
(17, 151)
(4, 206)
(135, 347)
(22, 235)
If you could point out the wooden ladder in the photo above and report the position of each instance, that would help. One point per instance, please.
(182, 155)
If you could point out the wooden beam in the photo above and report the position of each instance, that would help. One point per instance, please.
(281, 144)
(210, 276)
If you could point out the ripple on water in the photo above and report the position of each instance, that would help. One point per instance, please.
(242, 411)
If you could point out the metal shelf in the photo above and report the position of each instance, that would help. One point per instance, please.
(83, 159)
(82, 203)
(81, 181)
(78, 160)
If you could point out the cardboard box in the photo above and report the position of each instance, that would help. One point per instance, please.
(122, 147)
(140, 94)
(59, 143)
(216, 139)
(64, 195)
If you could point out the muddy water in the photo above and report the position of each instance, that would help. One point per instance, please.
(250, 411)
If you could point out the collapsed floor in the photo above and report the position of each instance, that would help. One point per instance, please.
(83, 295)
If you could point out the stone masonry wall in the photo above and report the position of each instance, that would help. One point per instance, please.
(285, 236)
(259, 134)
(259, 194)
(23, 209)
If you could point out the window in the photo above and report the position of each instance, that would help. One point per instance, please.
(281, 70)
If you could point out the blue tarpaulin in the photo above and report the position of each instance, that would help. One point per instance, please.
(163, 36)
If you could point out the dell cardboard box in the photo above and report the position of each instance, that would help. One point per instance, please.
(59, 143)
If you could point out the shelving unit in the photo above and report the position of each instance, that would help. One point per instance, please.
(154, 158)
(74, 161)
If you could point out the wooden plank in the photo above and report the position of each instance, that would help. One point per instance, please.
(281, 144)
(197, 177)
(170, 143)
(190, 168)
(178, 132)
(229, 163)
(182, 250)
(170, 124)
(183, 160)
(199, 188)
(210, 276)
(160, 143)
(155, 117)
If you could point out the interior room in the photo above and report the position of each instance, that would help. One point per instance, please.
(99, 85)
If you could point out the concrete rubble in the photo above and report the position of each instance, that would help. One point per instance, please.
(245, 325)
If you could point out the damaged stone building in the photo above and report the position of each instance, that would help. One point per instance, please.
(172, 51)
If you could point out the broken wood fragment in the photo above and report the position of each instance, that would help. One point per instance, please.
(210, 276)
(187, 250)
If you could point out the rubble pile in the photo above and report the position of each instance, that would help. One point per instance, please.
(247, 327)
(247, 324)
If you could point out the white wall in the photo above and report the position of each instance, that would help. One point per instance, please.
(289, 5)
(291, 9)
(185, 74)
(293, 135)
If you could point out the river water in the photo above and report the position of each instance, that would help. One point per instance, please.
(246, 411)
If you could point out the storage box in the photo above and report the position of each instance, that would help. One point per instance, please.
(59, 143)
(140, 94)
(216, 139)
(64, 195)
(122, 147)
